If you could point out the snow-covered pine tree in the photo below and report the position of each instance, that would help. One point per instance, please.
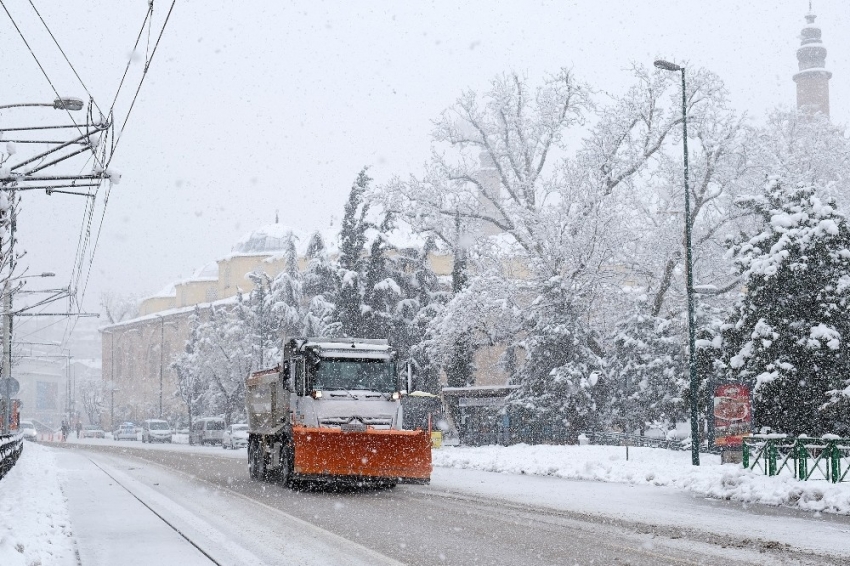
(320, 284)
(352, 239)
(647, 370)
(787, 333)
(420, 301)
(381, 291)
(287, 303)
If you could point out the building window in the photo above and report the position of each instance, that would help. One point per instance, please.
(46, 395)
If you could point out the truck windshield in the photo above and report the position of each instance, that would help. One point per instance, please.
(372, 375)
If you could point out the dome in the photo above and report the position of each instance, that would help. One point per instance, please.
(268, 239)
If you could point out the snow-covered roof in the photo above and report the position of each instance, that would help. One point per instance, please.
(207, 272)
(166, 292)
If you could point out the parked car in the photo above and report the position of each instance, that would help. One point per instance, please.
(235, 436)
(156, 430)
(93, 431)
(126, 431)
(28, 430)
(208, 430)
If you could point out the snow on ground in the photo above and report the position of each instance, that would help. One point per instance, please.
(34, 523)
(180, 444)
(651, 466)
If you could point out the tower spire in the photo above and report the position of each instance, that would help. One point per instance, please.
(813, 78)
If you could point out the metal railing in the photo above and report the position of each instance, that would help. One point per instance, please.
(804, 458)
(624, 439)
(11, 446)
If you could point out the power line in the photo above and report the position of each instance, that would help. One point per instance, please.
(14, 23)
(66, 57)
(141, 82)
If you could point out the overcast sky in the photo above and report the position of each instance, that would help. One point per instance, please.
(255, 106)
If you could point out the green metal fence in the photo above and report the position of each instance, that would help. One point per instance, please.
(804, 458)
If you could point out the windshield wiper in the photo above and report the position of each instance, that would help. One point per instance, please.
(347, 393)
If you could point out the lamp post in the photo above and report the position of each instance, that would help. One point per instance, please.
(689, 270)
(7, 342)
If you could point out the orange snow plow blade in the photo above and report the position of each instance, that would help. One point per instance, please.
(402, 456)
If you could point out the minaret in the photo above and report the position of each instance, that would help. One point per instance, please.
(813, 78)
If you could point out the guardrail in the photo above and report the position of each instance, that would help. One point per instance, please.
(11, 446)
(805, 458)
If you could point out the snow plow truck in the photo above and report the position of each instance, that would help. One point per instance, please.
(331, 412)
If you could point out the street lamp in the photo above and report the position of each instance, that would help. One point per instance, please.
(689, 270)
(69, 103)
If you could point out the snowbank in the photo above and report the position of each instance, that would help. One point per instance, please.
(34, 522)
(651, 466)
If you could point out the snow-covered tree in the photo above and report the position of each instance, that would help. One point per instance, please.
(187, 366)
(561, 384)
(590, 215)
(648, 372)
(788, 331)
(352, 239)
(91, 394)
(226, 354)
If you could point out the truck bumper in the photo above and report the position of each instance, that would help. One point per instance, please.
(390, 456)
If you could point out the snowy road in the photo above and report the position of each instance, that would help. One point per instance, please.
(463, 517)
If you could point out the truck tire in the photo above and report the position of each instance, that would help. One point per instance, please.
(252, 454)
(257, 462)
(287, 459)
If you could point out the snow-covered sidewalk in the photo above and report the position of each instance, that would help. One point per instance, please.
(35, 526)
(651, 466)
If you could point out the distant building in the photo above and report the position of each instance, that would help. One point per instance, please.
(813, 77)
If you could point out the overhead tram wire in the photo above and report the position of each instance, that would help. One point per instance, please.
(142, 81)
(43, 71)
(116, 140)
(62, 51)
(147, 21)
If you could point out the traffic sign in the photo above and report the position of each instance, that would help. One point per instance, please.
(12, 384)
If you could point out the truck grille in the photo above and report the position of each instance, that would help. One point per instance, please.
(357, 423)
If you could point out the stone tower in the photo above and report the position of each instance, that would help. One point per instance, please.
(813, 78)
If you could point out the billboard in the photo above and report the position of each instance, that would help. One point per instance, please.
(733, 414)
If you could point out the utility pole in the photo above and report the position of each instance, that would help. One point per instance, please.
(161, 332)
(7, 369)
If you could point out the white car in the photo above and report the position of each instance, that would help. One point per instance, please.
(156, 430)
(126, 431)
(235, 436)
(28, 430)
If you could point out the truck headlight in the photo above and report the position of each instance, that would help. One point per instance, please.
(316, 394)
(395, 396)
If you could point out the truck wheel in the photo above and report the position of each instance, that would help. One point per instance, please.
(284, 474)
(252, 456)
(257, 462)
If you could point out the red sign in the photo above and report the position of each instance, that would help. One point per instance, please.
(733, 414)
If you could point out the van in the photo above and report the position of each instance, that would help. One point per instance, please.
(208, 430)
(156, 430)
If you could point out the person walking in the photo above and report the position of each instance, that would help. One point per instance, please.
(79, 428)
(64, 430)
